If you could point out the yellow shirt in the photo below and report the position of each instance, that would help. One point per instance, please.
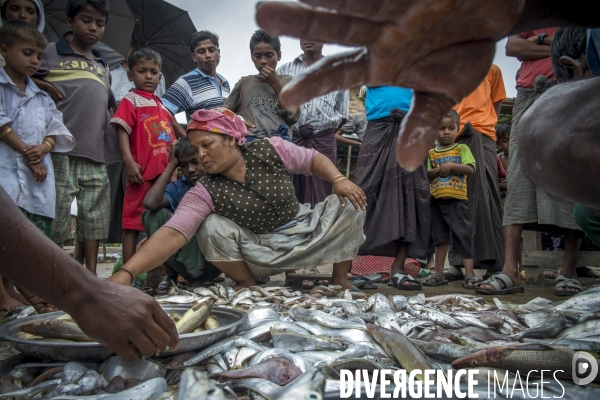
(452, 186)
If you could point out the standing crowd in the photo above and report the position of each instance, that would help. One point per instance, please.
(259, 191)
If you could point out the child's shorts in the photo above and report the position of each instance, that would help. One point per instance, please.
(450, 216)
(133, 205)
(86, 180)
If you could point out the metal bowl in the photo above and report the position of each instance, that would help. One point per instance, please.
(229, 320)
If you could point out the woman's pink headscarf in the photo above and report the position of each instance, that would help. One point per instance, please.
(220, 120)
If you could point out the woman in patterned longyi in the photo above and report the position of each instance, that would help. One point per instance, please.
(244, 212)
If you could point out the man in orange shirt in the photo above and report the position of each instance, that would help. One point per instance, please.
(480, 110)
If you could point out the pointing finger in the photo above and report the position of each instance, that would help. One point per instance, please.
(299, 20)
(419, 129)
(378, 10)
(344, 71)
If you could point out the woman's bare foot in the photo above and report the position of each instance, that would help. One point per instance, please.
(7, 303)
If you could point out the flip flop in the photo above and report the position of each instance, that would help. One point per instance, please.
(366, 281)
(566, 282)
(509, 285)
(439, 280)
(450, 277)
(471, 279)
(398, 280)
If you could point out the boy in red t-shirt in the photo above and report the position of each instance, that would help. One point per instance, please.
(145, 132)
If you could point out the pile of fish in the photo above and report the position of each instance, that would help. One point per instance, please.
(294, 345)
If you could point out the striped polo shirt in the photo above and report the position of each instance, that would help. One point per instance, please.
(324, 112)
(195, 91)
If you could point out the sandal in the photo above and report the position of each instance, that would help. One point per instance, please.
(450, 277)
(566, 282)
(471, 282)
(398, 280)
(165, 284)
(439, 280)
(494, 281)
(366, 282)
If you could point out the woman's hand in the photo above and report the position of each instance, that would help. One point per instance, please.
(134, 172)
(35, 154)
(345, 189)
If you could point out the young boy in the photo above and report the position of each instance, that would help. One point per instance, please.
(162, 200)
(81, 76)
(30, 128)
(256, 97)
(449, 165)
(144, 131)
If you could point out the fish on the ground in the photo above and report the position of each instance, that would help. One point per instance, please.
(277, 370)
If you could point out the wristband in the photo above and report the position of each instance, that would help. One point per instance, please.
(339, 179)
(128, 271)
(6, 132)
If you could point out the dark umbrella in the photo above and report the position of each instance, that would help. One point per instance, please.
(117, 34)
(166, 29)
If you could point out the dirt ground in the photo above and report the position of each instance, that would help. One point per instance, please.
(531, 290)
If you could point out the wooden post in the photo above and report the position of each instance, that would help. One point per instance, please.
(349, 159)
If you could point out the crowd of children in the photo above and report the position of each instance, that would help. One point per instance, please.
(56, 107)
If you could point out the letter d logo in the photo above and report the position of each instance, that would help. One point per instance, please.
(584, 368)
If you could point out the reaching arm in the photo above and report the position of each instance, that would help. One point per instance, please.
(162, 245)
(138, 326)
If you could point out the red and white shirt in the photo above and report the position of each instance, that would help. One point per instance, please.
(150, 128)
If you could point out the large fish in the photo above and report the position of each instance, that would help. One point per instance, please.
(401, 349)
(194, 317)
(550, 327)
(277, 370)
(56, 329)
(295, 342)
(522, 358)
(321, 318)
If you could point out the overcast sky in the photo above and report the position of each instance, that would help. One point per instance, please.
(234, 22)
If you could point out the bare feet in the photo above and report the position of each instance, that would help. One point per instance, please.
(244, 284)
(344, 283)
(7, 303)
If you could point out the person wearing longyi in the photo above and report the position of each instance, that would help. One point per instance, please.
(244, 213)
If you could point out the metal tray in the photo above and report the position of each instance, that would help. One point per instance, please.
(228, 318)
